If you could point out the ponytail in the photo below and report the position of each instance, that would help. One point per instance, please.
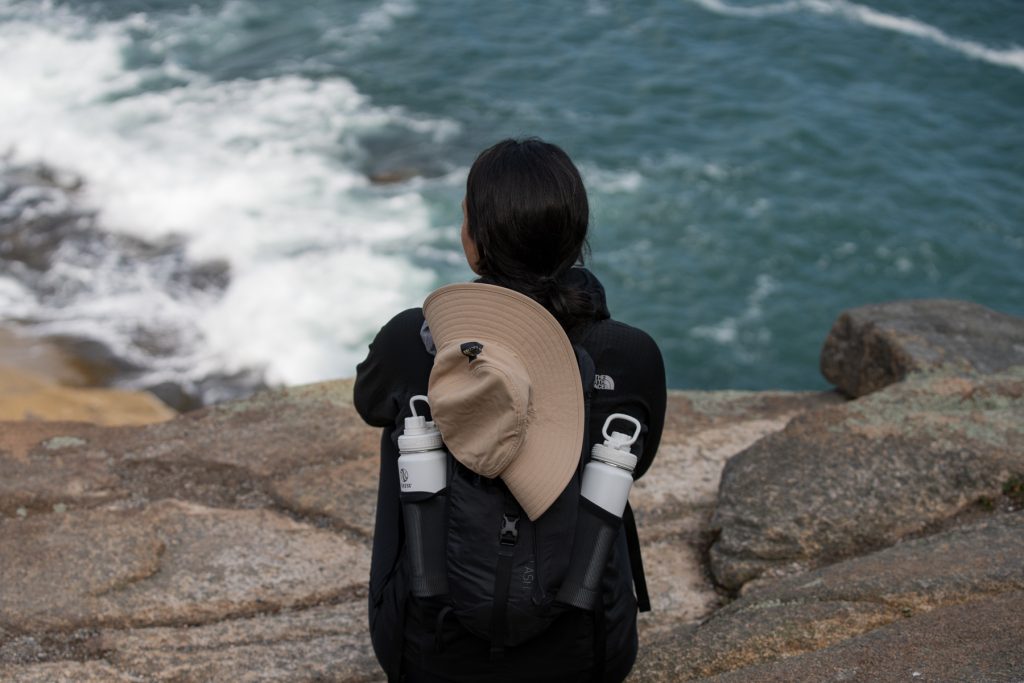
(571, 305)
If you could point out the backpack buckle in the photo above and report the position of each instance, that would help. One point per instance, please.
(509, 533)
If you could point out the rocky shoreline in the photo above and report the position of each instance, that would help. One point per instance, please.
(788, 536)
(54, 247)
(42, 380)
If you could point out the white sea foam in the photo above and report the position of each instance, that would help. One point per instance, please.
(725, 331)
(260, 173)
(1012, 57)
(729, 330)
(341, 298)
(755, 11)
(603, 180)
(15, 299)
(370, 24)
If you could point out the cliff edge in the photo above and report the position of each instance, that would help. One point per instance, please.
(787, 536)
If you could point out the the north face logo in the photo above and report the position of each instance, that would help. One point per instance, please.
(604, 382)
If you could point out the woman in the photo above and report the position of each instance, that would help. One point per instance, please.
(525, 219)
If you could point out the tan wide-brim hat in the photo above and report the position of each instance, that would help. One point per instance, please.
(505, 390)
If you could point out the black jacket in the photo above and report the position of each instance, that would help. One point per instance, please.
(630, 379)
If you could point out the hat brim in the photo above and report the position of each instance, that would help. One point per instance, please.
(550, 452)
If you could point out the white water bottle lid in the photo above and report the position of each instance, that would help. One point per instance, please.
(615, 450)
(419, 434)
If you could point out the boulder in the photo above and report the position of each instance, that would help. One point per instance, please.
(871, 347)
(833, 604)
(851, 478)
(674, 502)
(975, 641)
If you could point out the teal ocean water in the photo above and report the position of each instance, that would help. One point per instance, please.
(754, 167)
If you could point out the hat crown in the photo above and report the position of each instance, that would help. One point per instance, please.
(481, 405)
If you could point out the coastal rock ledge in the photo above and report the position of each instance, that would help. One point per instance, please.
(788, 536)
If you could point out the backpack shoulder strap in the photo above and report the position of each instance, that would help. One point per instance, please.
(636, 561)
(508, 536)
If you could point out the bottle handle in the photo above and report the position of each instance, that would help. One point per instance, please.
(412, 403)
(620, 416)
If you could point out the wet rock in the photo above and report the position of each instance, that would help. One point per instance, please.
(395, 154)
(212, 275)
(216, 387)
(848, 479)
(827, 606)
(36, 215)
(173, 394)
(40, 357)
(871, 347)
(54, 246)
(94, 359)
(25, 396)
(391, 176)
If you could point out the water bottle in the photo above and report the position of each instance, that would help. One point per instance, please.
(607, 479)
(423, 482)
(608, 476)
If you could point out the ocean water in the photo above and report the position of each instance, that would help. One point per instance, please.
(256, 186)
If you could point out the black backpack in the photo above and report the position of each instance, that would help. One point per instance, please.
(504, 570)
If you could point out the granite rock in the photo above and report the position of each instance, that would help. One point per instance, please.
(232, 543)
(65, 672)
(830, 605)
(873, 346)
(674, 502)
(974, 641)
(326, 642)
(169, 563)
(848, 479)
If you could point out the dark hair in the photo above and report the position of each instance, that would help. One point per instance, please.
(527, 213)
